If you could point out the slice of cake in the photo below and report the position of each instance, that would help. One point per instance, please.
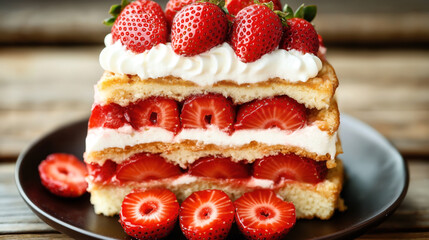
(200, 112)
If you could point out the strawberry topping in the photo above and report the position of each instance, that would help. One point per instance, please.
(256, 30)
(140, 26)
(149, 214)
(198, 27)
(201, 111)
(206, 214)
(234, 6)
(281, 112)
(63, 175)
(102, 174)
(300, 35)
(222, 168)
(108, 116)
(291, 167)
(262, 215)
(173, 7)
(144, 167)
(155, 112)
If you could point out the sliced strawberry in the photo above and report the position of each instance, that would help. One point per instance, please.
(149, 214)
(234, 6)
(197, 28)
(219, 168)
(173, 7)
(281, 112)
(202, 111)
(262, 215)
(300, 35)
(290, 166)
(206, 214)
(144, 167)
(63, 175)
(156, 112)
(102, 174)
(108, 116)
(256, 31)
(140, 26)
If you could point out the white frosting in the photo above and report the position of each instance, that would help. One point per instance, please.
(217, 64)
(310, 138)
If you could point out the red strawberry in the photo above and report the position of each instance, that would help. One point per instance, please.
(197, 28)
(140, 26)
(234, 6)
(173, 7)
(149, 214)
(211, 109)
(102, 174)
(282, 112)
(219, 168)
(63, 175)
(256, 30)
(321, 53)
(290, 166)
(155, 111)
(206, 214)
(108, 116)
(144, 166)
(300, 35)
(262, 215)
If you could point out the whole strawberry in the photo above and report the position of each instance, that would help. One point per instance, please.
(197, 28)
(256, 30)
(234, 6)
(140, 26)
(173, 7)
(299, 34)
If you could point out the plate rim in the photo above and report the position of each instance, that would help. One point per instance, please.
(354, 230)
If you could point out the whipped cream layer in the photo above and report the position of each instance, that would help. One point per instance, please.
(218, 64)
(310, 138)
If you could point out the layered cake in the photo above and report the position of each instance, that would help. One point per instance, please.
(190, 105)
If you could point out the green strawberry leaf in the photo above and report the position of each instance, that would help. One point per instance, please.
(299, 13)
(310, 12)
(288, 10)
(115, 10)
(282, 16)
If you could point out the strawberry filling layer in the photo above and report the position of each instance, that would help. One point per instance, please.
(268, 172)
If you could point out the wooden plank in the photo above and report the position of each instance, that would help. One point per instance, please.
(36, 236)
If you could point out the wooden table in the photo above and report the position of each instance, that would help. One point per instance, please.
(43, 88)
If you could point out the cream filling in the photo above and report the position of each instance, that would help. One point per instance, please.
(310, 138)
(205, 69)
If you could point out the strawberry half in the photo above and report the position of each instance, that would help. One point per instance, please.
(256, 30)
(173, 7)
(155, 112)
(149, 214)
(63, 175)
(262, 215)
(290, 166)
(197, 28)
(234, 6)
(102, 174)
(108, 116)
(202, 111)
(281, 112)
(140, 26)
(206, 214)
(215, 167)
(144, 167)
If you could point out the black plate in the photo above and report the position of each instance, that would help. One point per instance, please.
(377, 181)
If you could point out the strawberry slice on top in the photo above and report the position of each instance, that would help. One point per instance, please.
(206, 214)
(262, 215)
(197, 28)
(149, 214)
(139, 26)
(144, 166)
(219, 168)
(63, 175)
(201, 111)
(155, 112)
(280, 112)
(290, 166)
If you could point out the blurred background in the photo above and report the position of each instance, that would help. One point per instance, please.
(49, 63)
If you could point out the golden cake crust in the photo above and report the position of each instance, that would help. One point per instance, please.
(122, 89)
(310, 200)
